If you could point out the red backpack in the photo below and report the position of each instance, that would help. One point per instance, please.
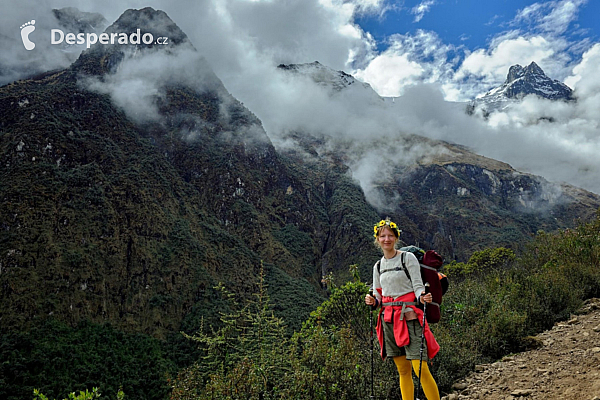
(430, 262)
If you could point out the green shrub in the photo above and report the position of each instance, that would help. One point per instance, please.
(83, 395)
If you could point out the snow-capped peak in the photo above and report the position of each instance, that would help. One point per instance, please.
(520, 82)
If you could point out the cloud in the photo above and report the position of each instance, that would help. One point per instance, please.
(422, 8)
(18, 63)
(488, 67)
(141, 79)
(409, 59)
(390, 72)
(243, 41)
(537, 34)
(552, 16)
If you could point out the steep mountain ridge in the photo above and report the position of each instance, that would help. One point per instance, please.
(444, 195)
(109, 215)
(521, 82)
(129, 209)
(133, 184)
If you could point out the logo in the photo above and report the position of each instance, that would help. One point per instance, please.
(57, 36)
(26, 29)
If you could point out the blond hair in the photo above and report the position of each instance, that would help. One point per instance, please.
(381, 229)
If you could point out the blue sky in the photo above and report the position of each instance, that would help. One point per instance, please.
(467, 46)
(468, 23)
(428, 53)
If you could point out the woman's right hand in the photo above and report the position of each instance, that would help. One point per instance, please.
(369, 300)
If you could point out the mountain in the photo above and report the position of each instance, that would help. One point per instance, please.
(131, 209)
(443, 195)
(133, 184)
(519, 83)
(326, 77)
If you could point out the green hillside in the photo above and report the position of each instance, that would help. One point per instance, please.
(117, 226)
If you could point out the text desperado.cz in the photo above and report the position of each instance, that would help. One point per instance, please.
(57, 36)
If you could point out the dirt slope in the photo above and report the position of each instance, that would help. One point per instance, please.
(565, 366)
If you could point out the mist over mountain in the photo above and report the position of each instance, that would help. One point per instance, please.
(546, 138)
(18, 64)
(428, 184)
(521, 82)
(134, 182)
(151, 133)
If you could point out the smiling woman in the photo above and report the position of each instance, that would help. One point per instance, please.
(402, 330)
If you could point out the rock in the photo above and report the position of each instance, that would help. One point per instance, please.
(596, 350)
(521, 392)
(532, 342)
(597, 329)
(459, 386)
(572, 321)
(480, 368)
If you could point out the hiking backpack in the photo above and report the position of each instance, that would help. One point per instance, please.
(430, 262)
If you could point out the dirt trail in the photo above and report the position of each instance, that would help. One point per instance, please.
(566, 366)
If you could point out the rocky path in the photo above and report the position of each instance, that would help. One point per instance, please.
(566, 365)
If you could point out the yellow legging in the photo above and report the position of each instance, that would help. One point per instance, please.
(406, 381)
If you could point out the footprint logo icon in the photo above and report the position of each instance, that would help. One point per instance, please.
(26, 29)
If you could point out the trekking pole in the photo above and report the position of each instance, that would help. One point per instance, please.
(371, 331)
(422, 342)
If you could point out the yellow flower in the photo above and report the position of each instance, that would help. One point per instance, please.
(393, 225)
(381, 223)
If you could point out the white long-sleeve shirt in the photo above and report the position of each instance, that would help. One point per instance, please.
(394, 282)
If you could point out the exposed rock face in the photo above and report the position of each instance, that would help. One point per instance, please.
(532, 80)
(520, 82)
(325, 76)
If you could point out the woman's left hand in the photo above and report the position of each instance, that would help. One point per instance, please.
(426, 298)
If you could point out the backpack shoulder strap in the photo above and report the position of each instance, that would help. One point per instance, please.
(402, 257)
(378, 264)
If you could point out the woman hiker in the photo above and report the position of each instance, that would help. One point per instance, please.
(399, 325)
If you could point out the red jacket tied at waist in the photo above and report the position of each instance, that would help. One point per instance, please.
(400, 328)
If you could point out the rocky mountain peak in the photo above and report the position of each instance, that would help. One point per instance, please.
(136, 30)
(148, 20)
(534, 69)
(520, 82)
(515, 72)
(325, 76)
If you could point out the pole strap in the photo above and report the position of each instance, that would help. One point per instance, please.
(403, 304)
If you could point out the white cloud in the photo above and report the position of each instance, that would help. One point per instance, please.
(422, 8)
(551, 16)
(244, 40)
(491, 65)
(409, 59)
(389, 73)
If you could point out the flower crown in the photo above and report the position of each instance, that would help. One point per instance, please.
(389, 223)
